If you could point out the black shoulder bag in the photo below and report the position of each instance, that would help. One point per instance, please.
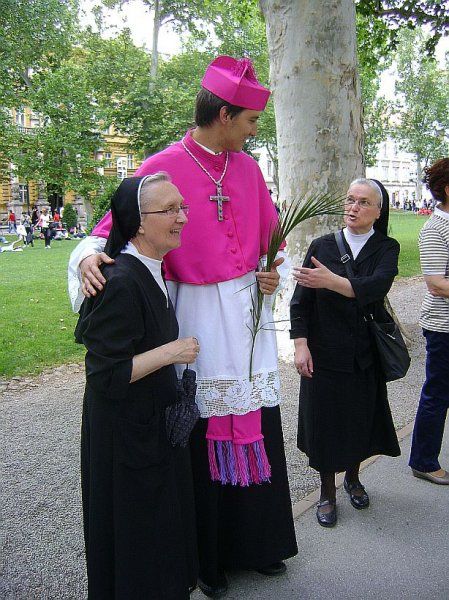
(391, 349)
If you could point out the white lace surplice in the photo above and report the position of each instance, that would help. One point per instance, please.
(219, 315)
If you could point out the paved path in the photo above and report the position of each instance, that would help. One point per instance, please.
(398, 549)
(42, 550)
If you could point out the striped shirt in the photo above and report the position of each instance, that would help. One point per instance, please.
(434, 255)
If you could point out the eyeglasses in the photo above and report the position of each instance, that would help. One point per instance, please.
(360, 203)
(171, 212)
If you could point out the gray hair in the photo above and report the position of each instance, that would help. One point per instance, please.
(146, 183)
(372, 184)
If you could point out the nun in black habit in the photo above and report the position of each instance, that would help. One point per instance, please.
(136, 486)
(344, 415)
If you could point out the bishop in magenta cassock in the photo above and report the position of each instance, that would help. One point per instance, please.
(243, 506)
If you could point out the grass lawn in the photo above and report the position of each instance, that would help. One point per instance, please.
(37, 322)
(405, 226)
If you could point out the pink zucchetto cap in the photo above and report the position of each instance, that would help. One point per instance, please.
(235, 81)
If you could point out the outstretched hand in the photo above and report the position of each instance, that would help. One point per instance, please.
(91, 275)
(269, 280)
(319, 277)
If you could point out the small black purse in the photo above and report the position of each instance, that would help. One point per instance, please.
(391, 349)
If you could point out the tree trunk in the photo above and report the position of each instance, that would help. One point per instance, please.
(154, 49)
(316, 90)
(418, 180)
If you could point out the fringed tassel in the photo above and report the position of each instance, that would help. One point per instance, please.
(213, 467)
(232, 469)
(262, 460)
(241, 454)
(238, 464)
(253, 465)
(221, 462)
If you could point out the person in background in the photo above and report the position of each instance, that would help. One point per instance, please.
(34, 216)
(12, 222)
(434, 401)
(344, 414)
(26, 222)
(44, 224)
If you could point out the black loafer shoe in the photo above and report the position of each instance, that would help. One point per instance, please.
(277, 568)
(359, 500)
(327, 519)
(215, 591)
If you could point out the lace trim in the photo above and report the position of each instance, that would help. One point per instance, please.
(221, 397)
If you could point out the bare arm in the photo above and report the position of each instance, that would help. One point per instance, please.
(438, 285)
(180, 351)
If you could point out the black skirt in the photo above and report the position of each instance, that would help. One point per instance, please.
(345, 418)
(243, 527)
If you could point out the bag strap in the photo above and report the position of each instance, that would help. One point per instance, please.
(344, 256)
(345, 259)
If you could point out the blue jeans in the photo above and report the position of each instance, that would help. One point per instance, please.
(433, 405)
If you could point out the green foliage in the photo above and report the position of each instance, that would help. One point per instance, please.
(404, 14)
(70, 216)
(156, 120)
(374, 57)
(34, 37)
(37, 320)
(102, 201)
(423, 99)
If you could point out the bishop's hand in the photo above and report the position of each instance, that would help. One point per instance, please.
(269, 280)
(91, 275)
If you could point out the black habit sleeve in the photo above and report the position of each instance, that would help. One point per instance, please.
(302, 302)
(112, 330)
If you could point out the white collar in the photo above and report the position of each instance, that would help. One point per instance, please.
(152, 264)
(358, 237)
(206, 148)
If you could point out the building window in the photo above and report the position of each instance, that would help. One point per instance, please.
(130, 161)
(385, 173)
(122, 170)
(269, 168)
(20, 117)
(396, 173)
(108, 160)
(23, 193)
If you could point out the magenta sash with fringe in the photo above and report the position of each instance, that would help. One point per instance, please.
(236, 449)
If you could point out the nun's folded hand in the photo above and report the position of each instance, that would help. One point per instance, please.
(91, 275)
(184, 350)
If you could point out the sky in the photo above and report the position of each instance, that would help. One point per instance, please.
(138, 18)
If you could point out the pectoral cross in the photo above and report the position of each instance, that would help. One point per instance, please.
(219, 199)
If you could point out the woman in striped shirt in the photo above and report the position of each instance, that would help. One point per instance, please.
(434, 401)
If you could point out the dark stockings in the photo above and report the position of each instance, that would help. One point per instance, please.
(328, 489)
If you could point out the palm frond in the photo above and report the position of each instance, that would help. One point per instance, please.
(301, 209)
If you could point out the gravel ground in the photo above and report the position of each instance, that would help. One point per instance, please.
(42, 549)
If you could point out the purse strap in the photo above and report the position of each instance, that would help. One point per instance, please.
(345, 259)
(344, 256)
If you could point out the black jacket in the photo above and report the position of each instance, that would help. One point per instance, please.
(333, 324)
